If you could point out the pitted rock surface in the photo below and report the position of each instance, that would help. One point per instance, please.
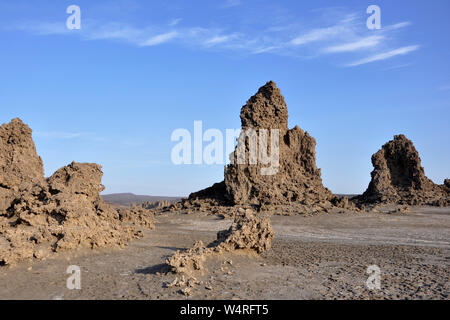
(398, 177)
(39, 216)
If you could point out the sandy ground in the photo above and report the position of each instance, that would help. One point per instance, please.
(319, 257)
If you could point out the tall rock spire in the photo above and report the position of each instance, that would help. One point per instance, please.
(20, 165)
(296, 178)
(266, 109)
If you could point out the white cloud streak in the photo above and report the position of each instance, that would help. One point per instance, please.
(348, 35)
(364, 43)
(404, 65)
(231, 3)
(174, 22)
(158, 39)
(397, 26)
(385, 55)
(219, 39)
(264, 50)
(58, 135)
(316, 35)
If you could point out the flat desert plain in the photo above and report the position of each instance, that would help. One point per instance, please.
(325, 256)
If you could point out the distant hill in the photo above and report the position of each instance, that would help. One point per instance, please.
(347, 195)
(126, 199)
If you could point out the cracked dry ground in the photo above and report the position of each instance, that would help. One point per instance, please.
(318, 257)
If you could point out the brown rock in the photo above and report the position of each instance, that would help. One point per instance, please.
(447, 183)
(248, 232)
(266, 109)
(20, 166)
(189, 260)
(398, 177)
(62, 212)
(296, 177)
(79, 178)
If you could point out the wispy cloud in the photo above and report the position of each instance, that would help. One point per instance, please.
(398, 66)
(385, 55)
(316, 35)
(219, 39)
(264, 50)
(58, 134)
(347, 36)
(396, 26)
(174, 22)
(114, 31)
(40, 28)
(160, 38)
(364, 43)
(231, 3)
(63, 135)
(445, 88)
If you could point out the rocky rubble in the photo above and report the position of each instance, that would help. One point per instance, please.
(248, 232)
(153, 204)
(65, 211)
(398, 177)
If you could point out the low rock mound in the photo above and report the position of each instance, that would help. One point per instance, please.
(65, 211)
(398, 177)
(248, 232)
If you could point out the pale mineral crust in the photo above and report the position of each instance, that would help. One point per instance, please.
(398, 177)
(65, 211)
(248, 232)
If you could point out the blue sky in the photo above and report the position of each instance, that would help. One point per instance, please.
(114, 91)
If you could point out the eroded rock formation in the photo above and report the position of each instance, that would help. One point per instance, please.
(296, 178)
(398, 177)
(39, 216)
(248, 232)
(20, 166)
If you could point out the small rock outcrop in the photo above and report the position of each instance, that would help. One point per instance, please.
(398, 177)
(153, 204)
(248, 232)
(39, 216)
